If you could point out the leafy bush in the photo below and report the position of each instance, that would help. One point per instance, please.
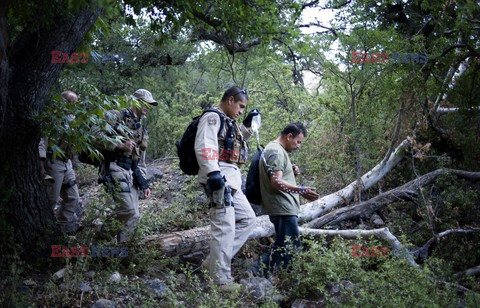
(377, 282)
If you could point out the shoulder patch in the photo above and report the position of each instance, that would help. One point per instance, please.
(212, 119)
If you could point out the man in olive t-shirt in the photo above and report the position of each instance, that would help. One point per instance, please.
(280, 194)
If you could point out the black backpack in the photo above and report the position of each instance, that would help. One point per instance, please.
(186, 146)
(252, 186)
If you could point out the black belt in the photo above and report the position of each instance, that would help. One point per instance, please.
(126, 163)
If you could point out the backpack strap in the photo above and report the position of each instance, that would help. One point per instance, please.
(222, 118)
(268, 168)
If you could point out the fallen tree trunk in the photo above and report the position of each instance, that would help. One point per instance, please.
(189, 242)
(180, 243)
(314, 209)
(405, 192)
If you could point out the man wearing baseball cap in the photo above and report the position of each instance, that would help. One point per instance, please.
(123, 171)
(145, 96)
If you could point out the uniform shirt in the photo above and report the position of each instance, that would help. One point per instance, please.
(138, 135)
(206, 149)
(43, 144)
(276, 202)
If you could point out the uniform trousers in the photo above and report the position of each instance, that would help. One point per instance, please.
(125, 196)
(230, 227)
(66, 188)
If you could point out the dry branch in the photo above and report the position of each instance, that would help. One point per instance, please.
(405, 192)
(383, 233)
(469, 272)
(447, 232)
(314, 209)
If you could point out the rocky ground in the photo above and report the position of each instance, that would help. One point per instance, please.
(146, 277)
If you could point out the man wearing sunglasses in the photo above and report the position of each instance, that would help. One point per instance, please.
(231, 216)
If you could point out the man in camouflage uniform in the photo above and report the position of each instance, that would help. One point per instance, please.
(59, 170)
(220, 154)
(123, 170)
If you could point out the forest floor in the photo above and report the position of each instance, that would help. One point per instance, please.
(144, 277)
(322, 276)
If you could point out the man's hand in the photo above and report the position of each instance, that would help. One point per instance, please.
(309, 194)
(215, 181)
(146, 193)
(248, 120)
(296, 170)
(127, 146)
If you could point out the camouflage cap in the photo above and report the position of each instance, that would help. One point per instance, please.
(146, 96)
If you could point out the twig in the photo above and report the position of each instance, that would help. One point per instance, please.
(447, 232)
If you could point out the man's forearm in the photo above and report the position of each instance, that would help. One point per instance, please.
(284, 186)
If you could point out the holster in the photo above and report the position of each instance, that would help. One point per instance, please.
(221, 197)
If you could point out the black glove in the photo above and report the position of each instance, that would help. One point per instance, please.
(248, 120)
(215, 180)
(139, 180)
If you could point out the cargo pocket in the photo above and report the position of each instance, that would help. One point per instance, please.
(124, 186)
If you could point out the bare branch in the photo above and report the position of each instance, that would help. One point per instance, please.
(223, 39)
(405, 192)
(469, 272)
(383, 233)
(451, 231)
(334, 31)
(316, 208)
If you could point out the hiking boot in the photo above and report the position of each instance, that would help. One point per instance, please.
(258, 270)
(231, 287)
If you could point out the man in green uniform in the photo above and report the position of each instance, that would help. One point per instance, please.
(123, 170)
(280, 194)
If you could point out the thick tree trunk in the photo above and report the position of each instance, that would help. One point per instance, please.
(26, 76)
(191, 241)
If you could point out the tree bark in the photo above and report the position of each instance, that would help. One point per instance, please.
(26, 76)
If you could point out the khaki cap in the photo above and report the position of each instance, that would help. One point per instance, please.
(146, 96)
